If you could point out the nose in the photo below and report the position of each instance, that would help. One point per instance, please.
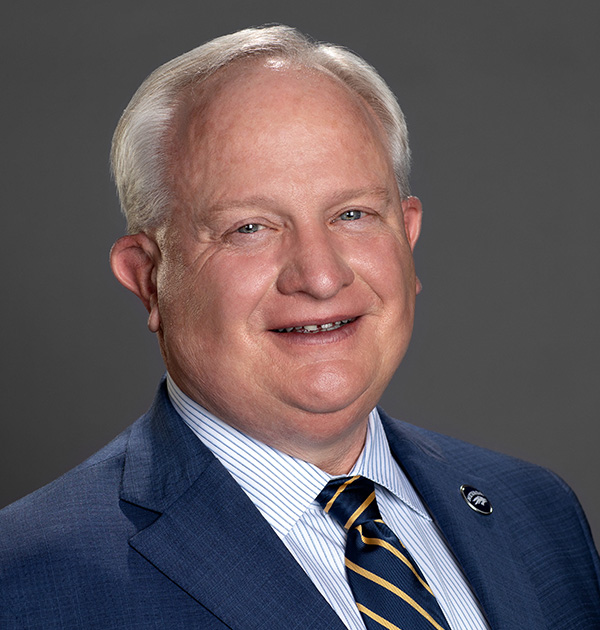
(314, 265)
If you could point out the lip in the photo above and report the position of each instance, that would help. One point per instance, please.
(314, 321)
(325, 337)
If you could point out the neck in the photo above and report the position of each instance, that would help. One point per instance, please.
(335, 458)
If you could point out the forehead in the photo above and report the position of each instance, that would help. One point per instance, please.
(273, 113)
(264, 83)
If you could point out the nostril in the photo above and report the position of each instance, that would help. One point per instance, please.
(316, 273)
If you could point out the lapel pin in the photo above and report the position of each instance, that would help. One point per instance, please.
(476, 500)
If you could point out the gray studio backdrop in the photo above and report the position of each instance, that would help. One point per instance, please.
(502, 105)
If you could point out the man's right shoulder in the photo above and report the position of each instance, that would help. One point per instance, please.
(73, 492)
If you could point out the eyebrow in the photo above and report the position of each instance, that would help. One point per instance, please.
(379, 192)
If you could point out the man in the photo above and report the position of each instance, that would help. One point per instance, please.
(264, 180)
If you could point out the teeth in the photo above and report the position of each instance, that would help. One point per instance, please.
(315, 328)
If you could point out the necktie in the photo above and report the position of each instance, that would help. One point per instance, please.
(389, 589)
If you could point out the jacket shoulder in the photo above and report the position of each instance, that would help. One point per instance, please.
(477, 460)
(70, 490)
(537, 519)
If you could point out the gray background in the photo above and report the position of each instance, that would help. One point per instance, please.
(502, 104)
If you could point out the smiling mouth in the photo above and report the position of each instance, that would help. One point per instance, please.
(311, 329)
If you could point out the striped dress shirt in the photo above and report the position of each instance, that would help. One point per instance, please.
(284, 490)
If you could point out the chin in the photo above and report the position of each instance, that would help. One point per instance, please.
(332, 392)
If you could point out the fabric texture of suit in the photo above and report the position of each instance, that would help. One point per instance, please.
(153, 532)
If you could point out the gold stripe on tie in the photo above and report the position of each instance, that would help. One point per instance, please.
(339, 491)
(396, 552)
(393, 589)
(365, 504)
(380, 620)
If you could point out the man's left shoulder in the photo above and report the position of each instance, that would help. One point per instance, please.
(530, 500)
(466, 458)
(535, 536)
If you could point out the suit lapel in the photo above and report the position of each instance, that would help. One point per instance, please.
(201, 530)
(481, 543)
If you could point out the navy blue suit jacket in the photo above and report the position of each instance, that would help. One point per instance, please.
(152, 532)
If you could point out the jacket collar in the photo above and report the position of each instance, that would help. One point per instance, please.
(438, 466)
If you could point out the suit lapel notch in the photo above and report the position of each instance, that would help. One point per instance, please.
(201, 544)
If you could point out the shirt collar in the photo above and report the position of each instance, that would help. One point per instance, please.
(377, 463)
(266, 474)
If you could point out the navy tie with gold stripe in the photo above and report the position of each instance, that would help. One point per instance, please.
(389, 589)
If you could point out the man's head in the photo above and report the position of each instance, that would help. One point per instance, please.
(280, 279)
(142, 152)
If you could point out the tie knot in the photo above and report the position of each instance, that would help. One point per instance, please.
(350, 500)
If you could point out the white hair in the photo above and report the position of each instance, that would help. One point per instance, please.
(140, 156)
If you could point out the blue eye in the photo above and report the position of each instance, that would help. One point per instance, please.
(249, 228)
(351, 215)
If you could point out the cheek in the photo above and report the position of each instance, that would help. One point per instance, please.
(224, 296)
(386, 265)
(242, 279)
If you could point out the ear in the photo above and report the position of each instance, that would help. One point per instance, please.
(134, 261)
(412, 211)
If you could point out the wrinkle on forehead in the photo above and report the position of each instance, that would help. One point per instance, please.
(208, 112)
